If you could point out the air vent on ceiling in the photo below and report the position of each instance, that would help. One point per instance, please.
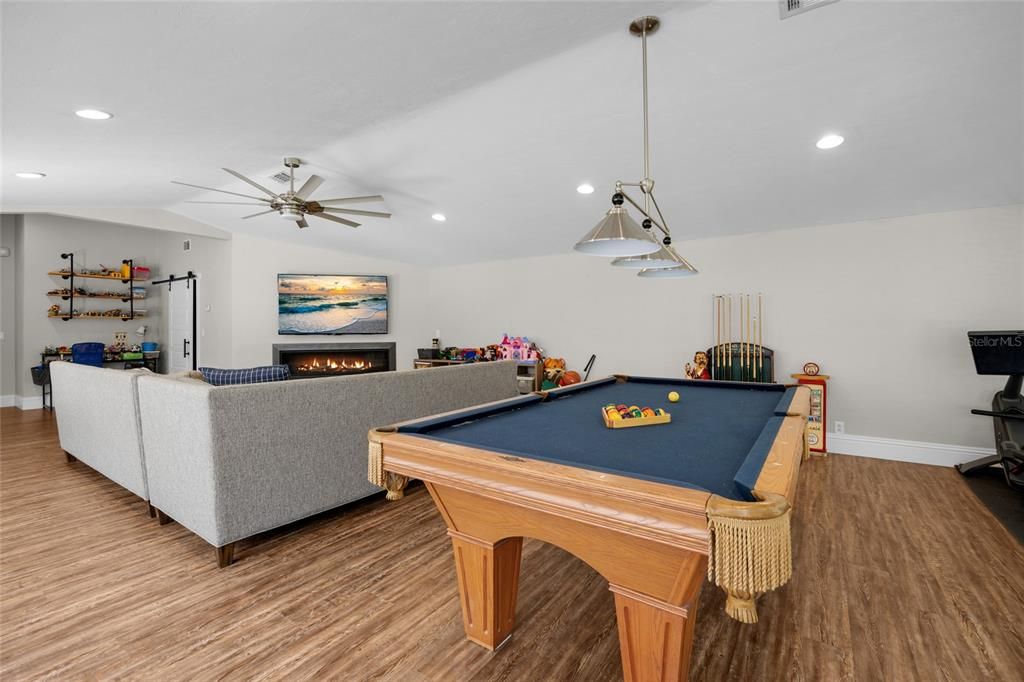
(788, 8)
(280, 177)
(186, 245)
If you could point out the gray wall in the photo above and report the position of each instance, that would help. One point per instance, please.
(9, 226)
(44, 237)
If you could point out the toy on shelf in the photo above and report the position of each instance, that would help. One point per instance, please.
(699, 368)
(622, 417)
(518, 348)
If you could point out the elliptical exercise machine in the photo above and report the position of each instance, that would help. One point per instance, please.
(1002, 353)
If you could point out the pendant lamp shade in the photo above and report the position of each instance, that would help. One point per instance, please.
(682, 270)
(617, 235)
(664, 257)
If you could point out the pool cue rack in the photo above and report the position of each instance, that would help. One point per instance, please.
(739, 353)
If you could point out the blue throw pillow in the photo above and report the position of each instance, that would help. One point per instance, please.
(249, 375)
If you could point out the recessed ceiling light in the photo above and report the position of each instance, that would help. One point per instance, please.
(31, 176)
(93, 114)
(439, 217)
(830, 141)
(585, 188)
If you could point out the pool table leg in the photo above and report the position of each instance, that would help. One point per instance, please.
(655, 638)
(488, 575)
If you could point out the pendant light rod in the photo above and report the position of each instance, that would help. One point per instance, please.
(647, 141)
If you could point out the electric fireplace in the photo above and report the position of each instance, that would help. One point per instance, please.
(306, 360)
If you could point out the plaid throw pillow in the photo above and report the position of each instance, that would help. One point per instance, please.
(249, 375)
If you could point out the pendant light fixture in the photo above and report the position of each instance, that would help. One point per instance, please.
(618, 235)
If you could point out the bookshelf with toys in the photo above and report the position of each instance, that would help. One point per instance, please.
(128, 275)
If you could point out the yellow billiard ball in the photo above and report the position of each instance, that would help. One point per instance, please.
(673, 397)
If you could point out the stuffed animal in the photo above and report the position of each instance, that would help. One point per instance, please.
(699, 368)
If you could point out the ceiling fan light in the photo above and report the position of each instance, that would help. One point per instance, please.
(291, 213)
(617, 235)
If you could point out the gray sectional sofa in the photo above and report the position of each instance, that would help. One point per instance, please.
(98, 422)
(228, 462)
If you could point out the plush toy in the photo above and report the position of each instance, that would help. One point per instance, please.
(699, 368)
(553, 369)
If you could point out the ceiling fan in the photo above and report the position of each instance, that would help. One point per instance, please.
(294, 204)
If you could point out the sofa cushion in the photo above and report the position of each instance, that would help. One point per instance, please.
(248, 375)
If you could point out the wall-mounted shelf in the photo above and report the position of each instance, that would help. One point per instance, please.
(114, 277)
(110, 297)
(129, 297)
(98, 315)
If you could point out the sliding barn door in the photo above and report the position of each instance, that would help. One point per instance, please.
(183, 308)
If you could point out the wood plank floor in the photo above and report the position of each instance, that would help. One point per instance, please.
(901, 574)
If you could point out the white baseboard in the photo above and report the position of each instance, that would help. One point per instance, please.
(7, 400)
(939, 454)
(28, 403)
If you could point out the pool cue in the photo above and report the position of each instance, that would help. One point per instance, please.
(746, 336)
(728, 337)
(761, 339)
(750, 339)
(714, 333)
(742, 340)
(719, 330)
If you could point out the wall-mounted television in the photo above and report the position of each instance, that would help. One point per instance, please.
(332, 304)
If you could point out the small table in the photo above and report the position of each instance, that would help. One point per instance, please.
(649, 508)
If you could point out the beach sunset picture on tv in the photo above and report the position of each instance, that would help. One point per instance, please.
(332, 304)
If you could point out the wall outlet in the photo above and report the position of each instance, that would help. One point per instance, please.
(840, 427)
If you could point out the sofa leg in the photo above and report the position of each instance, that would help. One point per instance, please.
(152, 510)
(226, 555)
(71, 458)
(162, 518)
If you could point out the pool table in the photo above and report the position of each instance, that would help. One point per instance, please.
(653, 509)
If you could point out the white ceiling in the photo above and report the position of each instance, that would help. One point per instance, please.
(492, 113)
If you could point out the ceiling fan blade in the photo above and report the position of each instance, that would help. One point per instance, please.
(335, 219)
(223, 191)
(251, 182)
(273, 210)
(233, 203)
(309, 186)
(351, 200)
(353, 211)
(302, 223)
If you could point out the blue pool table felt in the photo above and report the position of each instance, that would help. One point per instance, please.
(714, 428)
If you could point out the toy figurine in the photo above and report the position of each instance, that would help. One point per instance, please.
(699, 368)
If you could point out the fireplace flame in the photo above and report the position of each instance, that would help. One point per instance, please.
(330, 365)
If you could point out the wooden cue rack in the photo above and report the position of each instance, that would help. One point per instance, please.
(739, 353)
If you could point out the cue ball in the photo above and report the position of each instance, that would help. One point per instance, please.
(673, 397)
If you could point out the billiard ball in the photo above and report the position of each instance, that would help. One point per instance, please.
(673, 397)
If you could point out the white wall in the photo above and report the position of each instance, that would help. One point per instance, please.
(256, 262)
(883, 306)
